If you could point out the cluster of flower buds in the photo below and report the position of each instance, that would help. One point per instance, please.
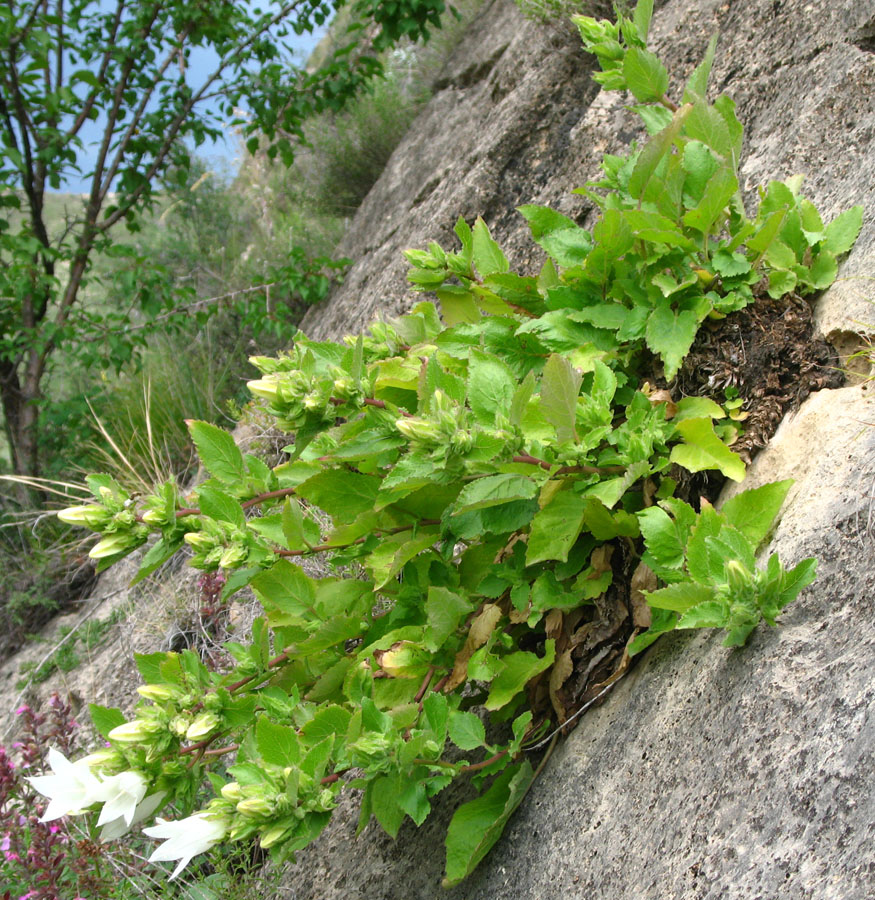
(449, 430)
(218, 545)
(115, 517)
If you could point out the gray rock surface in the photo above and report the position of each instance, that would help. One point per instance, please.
(707, 773)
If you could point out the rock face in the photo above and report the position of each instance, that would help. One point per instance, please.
(707, 773)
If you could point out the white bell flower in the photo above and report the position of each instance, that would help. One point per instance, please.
(71, 789)
(121, 795)
(186, 838)
(119, 826)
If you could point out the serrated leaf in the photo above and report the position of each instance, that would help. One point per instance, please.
(705, 124)
(390, 557)
(105, 718)
(646, 77)
(720, 189)
(478, 824)
(555, 528)
(543, 220)
(841, 234)
(293, 524)
(560, 385)
(753, 511)
(702, 450)
(680, 597)
(491, 387)
(157, 555)
(285, 588)
(568, 246)
(341, 493)
(217, 505)
(458, 305)
(697, 85)
(494, 490)
(710, 614)
(670, 333)
(445, 612)
(488, 257)
(466, 730)
(653, 152)
(218, 452)
(824, 270)
(519, 668)
(277, 744)
(781, 281)
(655, 117)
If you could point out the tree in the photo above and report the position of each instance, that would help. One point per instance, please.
(122, 68)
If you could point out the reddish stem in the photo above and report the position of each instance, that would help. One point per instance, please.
(320, 548)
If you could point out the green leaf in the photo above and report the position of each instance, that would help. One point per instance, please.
(520, 668)
(697, 86)
(478, 824)
(569, 246)
(488, 257)
(341, 493)
(287, 590)
(671, 333)
(445, 612)
(705, 124)
(841, 233)
(293, 525)
(655, 117)
(653, 153)
(219, 454)
(382, 793)
(543, 220)
(157, 555)
(390, 557)
(560, 385)
(662, 622)
(680, 597)
(824, 270)
(217, 505)
(702, 450)
(646, 77)
(664, 537)
(494, 490)
(781, 281)
(491, 387)
(149, 666)
(641, 18)
(466, 730)
(710, 614)
(555, 528)
(458, 305)
(277, 744)
(720, 189)
(105, 718)
(752, 512)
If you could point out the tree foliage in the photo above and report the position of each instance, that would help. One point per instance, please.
(73, 66)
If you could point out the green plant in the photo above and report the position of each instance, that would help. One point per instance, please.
(495, 470)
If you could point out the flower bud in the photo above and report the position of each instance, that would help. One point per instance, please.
(273, 835)
(110, 545)
(102, 760)
(232, 557)
(418, 430)
(158, 692)
(254, 807)
(92, 516)
(153, 517)
(232, 792)
(313, 402)
(264, 388)
(738, 578)
(131, 732)
(203, 725)
(198, 540)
